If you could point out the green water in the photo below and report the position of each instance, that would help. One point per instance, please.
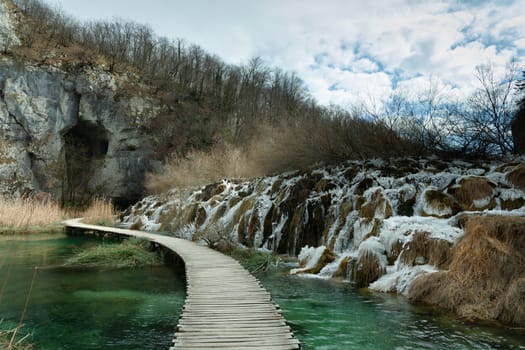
(328, 314)
(138, 308)
(86, 308)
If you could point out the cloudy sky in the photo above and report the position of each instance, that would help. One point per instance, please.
(344, 50)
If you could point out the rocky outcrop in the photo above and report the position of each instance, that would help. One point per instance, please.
(8, 37)
(71, 132)
(69, 127)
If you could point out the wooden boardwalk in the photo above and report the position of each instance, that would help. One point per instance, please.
(225, 308)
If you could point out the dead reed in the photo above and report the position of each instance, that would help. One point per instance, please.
(27, 215)
(23, 213)
(100, 212)
(486, 278)
(474, 189)
(517, 176)
(436, 252)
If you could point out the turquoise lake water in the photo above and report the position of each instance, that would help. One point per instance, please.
(87, 308)
(327, 314)
(139, 308)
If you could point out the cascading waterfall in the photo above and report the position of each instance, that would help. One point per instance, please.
(378, 223)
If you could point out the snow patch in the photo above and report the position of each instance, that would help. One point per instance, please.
(309, 257)
(400, 280)
(482, 203)
(402, 228)
(511, 194)
(374, 246)
(362, 227)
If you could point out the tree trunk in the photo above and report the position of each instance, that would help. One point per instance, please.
(518, 132)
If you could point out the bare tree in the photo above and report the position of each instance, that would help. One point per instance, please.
(491, 109)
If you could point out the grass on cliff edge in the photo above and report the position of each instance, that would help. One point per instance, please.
(31, 215)
(133, 252)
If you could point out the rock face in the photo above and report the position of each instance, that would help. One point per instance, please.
(8, 37)
(71, 133)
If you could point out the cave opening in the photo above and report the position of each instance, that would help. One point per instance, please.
(85, 148)
(90, 139)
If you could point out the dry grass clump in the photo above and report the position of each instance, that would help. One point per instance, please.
(278, 148)
(133, 252)
(8, 343)
(100, 212)
(367, 269)
(199, 168)
(436, 252)
(376, 206)
(486, 278)
(517, 176)
(513, 303)
(326, 257)
(473, 189)
(22, 213)
(445, 204)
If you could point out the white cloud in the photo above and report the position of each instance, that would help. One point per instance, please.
(343, 50)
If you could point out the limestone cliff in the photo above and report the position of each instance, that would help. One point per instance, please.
(68, 128)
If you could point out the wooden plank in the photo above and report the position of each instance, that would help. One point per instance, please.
(193, 332)
(242, 347)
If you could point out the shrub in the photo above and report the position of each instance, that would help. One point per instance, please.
(198, 168)
(275, 149)
(216, 237)
(255, 261)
